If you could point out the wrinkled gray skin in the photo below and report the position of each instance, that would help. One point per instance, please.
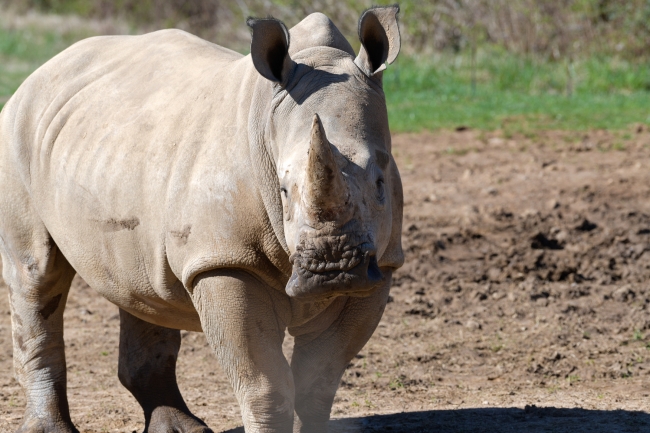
(199, 189)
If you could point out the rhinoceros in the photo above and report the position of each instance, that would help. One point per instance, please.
(199, 189)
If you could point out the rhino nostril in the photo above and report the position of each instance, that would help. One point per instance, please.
(369, 250)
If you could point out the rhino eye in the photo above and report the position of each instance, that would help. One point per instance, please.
(283, 190)
(380, 189)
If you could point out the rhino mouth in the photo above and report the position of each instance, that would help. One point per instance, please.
(334, 265)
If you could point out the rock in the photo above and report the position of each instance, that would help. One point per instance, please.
(529, 284)
(552, 204)
(473, 324)
(586, 226)
(491, 191)
(529, 213)
(494, 274)
(541, 242)
(562, 237)
(623, 294)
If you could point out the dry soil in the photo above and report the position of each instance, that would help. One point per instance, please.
(522, 305)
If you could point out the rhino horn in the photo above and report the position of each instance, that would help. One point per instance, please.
(326, 191)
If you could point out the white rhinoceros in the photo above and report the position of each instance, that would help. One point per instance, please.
(204, 190)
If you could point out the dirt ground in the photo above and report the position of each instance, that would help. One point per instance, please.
(522, 306)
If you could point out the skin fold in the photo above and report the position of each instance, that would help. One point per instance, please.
(204, 190)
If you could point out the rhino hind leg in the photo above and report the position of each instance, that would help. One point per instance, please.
(147, 368)
(39, 278)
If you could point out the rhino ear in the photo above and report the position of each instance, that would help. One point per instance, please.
(393, 257)
(270, 49)
(380, 39)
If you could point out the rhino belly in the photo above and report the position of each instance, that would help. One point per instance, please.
(113, 257)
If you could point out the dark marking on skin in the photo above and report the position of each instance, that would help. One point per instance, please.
(17, 319)
(115, 225)
(181, 236)
(32, 265)
(51, 306)
(277, 399)
(382, 159)
(260, 326)
(49, 243)
(329, 174)
(20, 342)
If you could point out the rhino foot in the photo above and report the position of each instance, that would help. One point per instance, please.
(172, 420)
(35, 425)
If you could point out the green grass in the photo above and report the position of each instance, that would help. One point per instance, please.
(512, 93)
(515, 94)
(23, 51)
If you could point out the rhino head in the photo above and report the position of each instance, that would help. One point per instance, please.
(327, 133)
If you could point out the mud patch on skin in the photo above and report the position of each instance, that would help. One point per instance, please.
(181, 236)
(277, 399)
(20, 342)
(50, 307)
(17, 319)
(115, 225)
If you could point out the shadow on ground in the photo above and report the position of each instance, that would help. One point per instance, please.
(498, 420)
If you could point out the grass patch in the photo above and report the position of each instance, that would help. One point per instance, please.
(516, 94)
(512, 93)
(395, 384)
(22, 51)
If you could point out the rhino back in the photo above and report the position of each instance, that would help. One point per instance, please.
(135, 153)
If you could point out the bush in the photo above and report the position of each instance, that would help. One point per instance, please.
(553, 29)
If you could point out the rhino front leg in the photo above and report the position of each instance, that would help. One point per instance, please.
(147, 368)
(244, 322)
(323, 349)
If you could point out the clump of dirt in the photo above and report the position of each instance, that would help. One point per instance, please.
(524, 287)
